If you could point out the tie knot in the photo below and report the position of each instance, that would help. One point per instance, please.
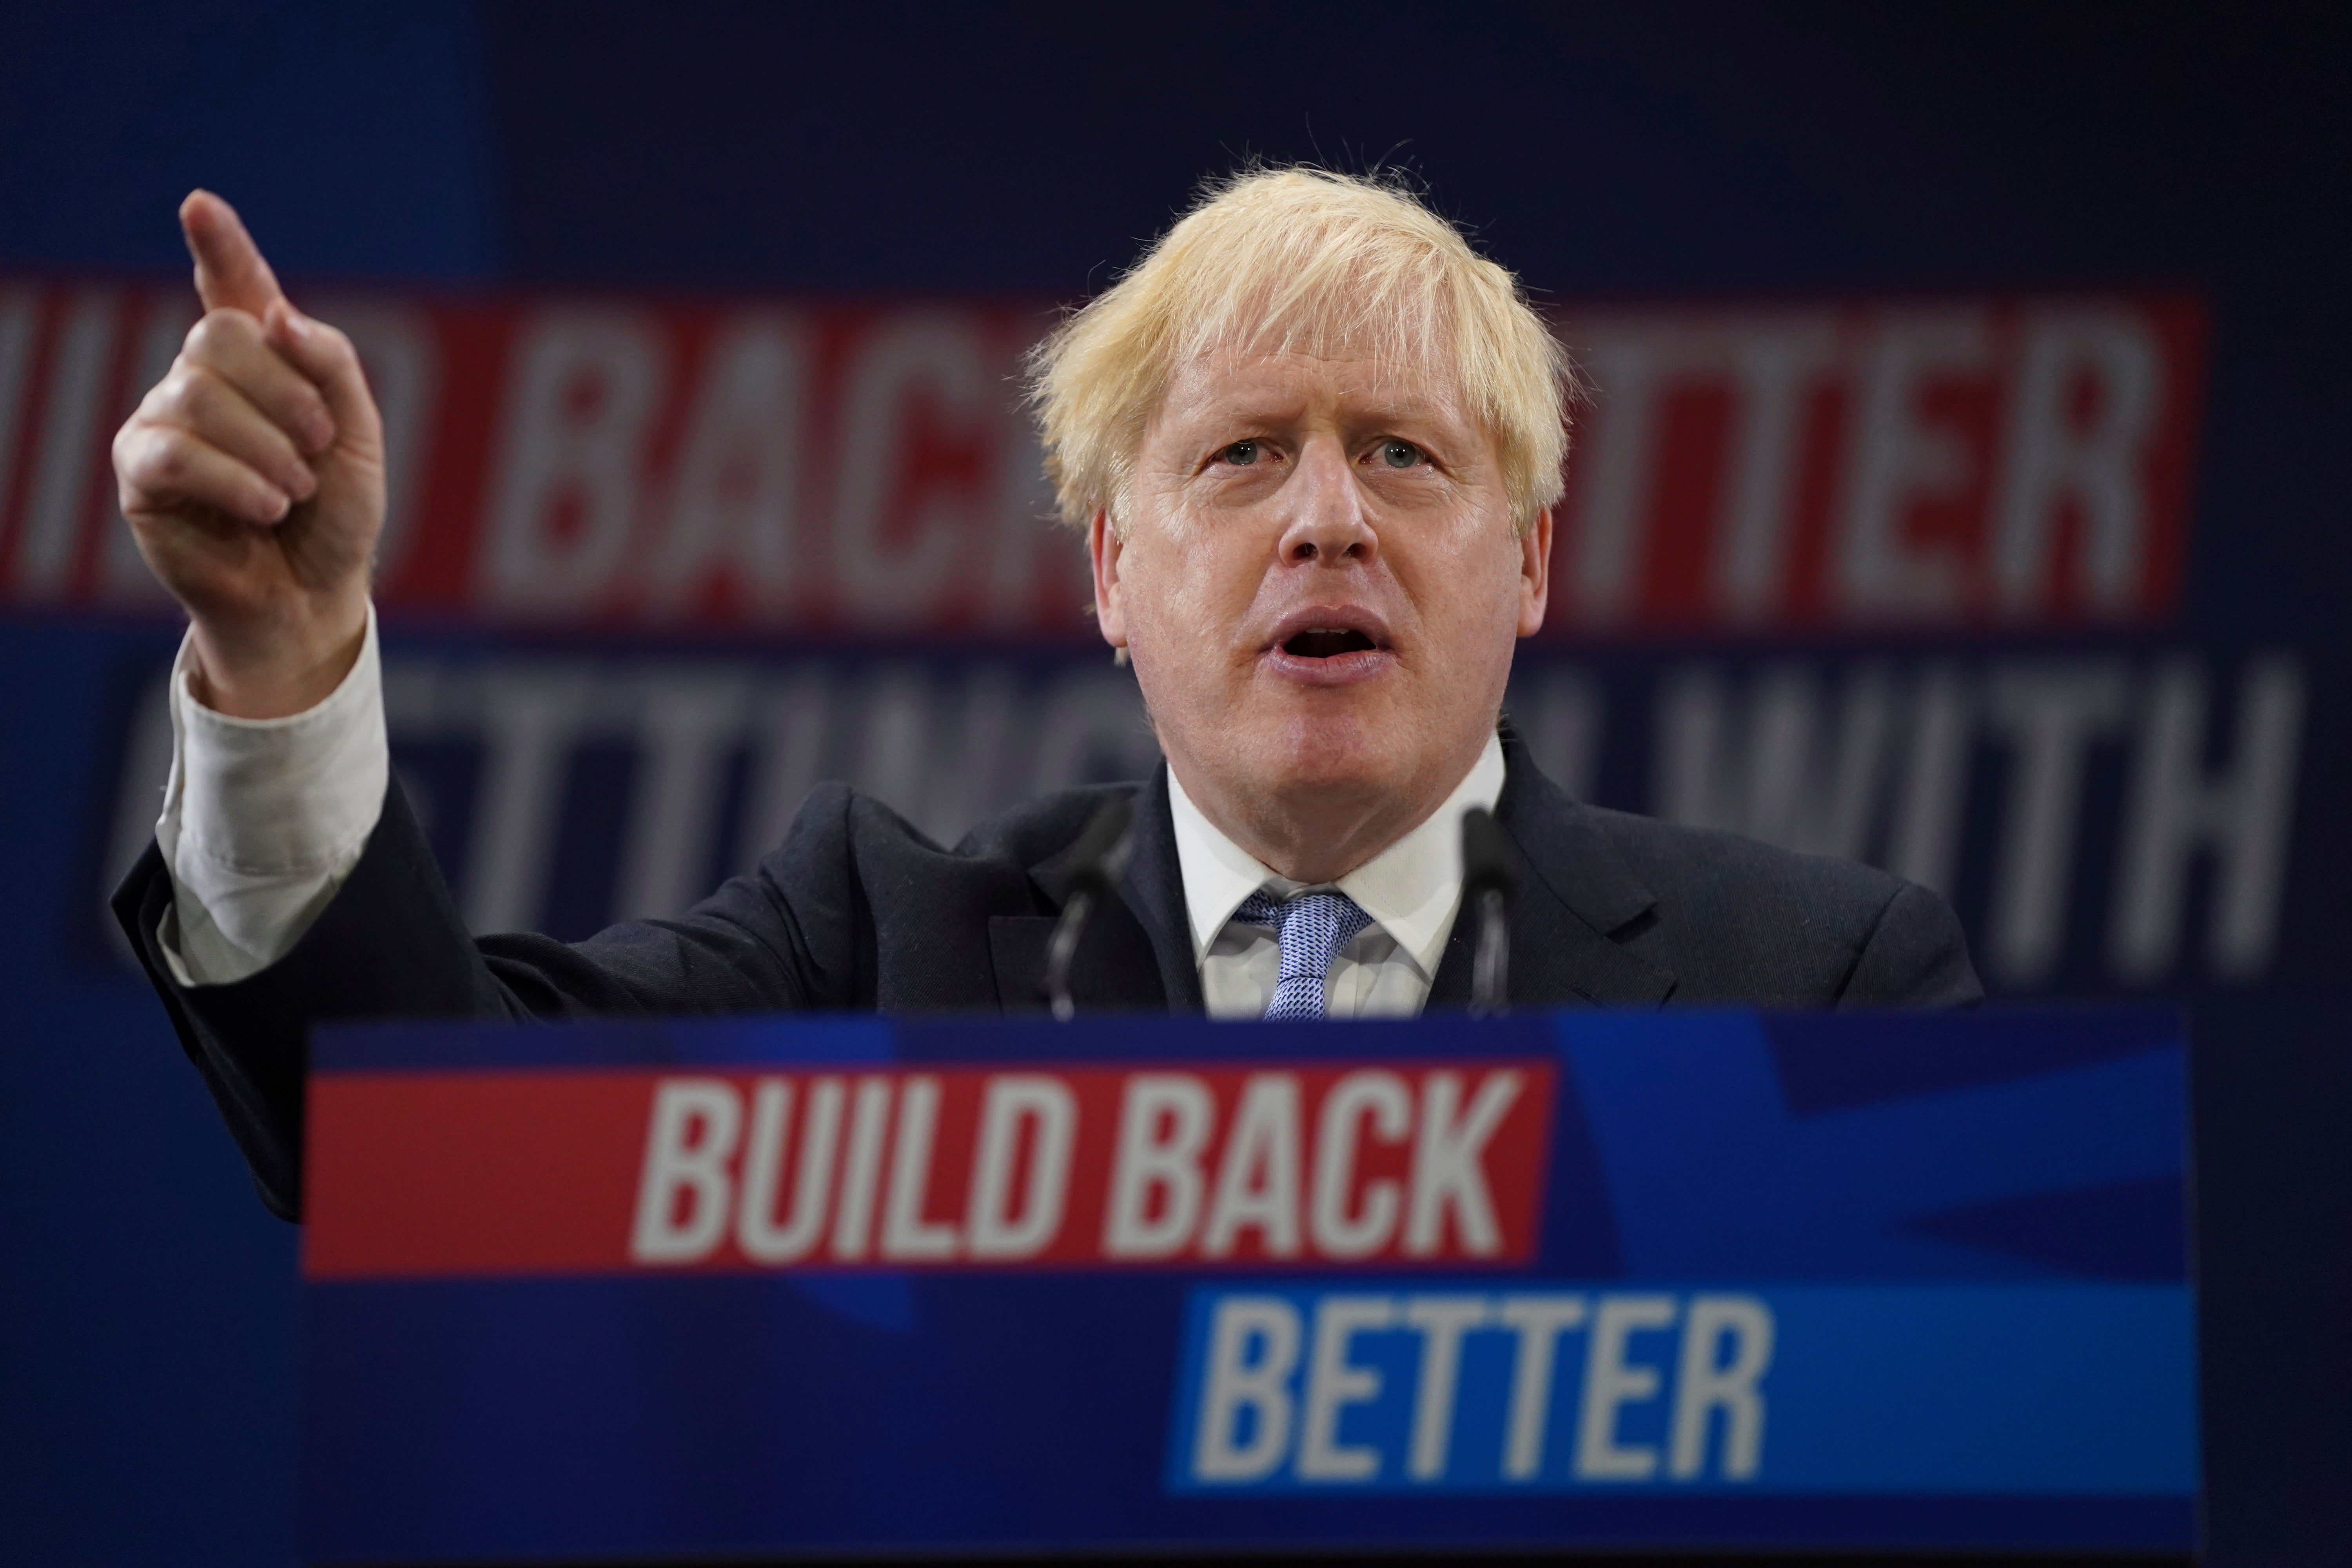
(1311, 929)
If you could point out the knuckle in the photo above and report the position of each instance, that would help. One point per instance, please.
(341, 352)
(136, 454)
(134, 443)
(221, 331)
(183, 394)
(169, 460)
(173, 460)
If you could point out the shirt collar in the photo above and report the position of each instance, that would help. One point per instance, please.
(1410, 889)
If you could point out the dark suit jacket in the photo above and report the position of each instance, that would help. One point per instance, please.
(857, 910)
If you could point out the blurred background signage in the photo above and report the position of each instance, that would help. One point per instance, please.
(663, 477)
(810, 469)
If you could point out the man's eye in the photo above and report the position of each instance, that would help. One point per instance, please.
(1240, 454)
(1400, 453)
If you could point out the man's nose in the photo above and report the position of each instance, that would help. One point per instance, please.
(1327, 523)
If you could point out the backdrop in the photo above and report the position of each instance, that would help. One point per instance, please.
(1962, 490)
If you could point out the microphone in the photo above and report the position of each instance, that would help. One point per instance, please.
(1100, 856)
(1488, 884)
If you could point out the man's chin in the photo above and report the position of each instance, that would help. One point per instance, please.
(1336, 757)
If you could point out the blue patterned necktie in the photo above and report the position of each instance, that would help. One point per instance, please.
(1310, 928)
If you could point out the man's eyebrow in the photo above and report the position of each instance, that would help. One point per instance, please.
(1257, 407)
(1414, 408)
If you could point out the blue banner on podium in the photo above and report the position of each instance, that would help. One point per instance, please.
(703, 1290)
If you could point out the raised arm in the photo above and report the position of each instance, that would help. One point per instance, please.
(253, 479)
(290, 885)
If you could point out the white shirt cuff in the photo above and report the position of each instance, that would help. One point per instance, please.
(263, 818)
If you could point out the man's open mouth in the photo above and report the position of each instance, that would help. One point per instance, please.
(1323, 642)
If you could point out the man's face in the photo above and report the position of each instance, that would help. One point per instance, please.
(1320, 588)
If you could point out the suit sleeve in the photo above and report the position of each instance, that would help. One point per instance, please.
(1914, 957)
(392, 945)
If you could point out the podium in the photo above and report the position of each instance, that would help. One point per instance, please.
(774, 1286)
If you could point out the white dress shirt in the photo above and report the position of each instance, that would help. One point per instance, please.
(1410, 890)
(264, 818)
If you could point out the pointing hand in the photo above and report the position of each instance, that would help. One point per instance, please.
(252, 476)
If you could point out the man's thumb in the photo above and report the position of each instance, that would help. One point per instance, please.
(230, 273)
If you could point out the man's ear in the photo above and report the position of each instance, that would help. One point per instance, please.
(1103, 547)
(1534, 574)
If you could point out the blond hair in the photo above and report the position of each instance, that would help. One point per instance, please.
(1300, 260)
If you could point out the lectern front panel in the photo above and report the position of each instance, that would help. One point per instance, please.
(680, 1290)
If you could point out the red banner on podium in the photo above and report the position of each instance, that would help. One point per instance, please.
(1289, 1165)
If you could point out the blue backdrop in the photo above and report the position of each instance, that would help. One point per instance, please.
(147, 1303)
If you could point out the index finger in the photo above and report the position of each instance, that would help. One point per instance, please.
(230, 272)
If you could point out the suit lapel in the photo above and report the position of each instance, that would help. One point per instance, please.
(1576, 891)
(1136, 951)
(1153, 894)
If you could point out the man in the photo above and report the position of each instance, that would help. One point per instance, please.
(1313, 442)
